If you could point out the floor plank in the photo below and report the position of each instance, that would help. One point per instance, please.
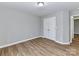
(41, 47)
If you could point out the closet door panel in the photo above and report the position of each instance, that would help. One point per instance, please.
(46, 27)
(52, 28)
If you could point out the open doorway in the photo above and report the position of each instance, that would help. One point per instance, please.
(75, 29)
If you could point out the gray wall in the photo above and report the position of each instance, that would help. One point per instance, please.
(76, 26)
(66, 20)
(74, 12)
(63, 26)
(59, 20)
(17, 26)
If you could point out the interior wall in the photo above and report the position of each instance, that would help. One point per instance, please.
(63, 26)
(66, 30)
(17, 26)
(59, 26)
(74, 12)
(76, 26)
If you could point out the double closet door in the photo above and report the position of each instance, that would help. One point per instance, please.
(50, 28)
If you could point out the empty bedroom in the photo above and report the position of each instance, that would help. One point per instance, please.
(38, 28)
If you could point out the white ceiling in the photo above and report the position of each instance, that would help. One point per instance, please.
(49, 8)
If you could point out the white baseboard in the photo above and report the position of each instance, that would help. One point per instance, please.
(10, 44)
(67, 43)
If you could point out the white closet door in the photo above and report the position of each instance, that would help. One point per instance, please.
(50, 28)
(46, 26)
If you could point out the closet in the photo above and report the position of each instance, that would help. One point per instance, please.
(50, 28)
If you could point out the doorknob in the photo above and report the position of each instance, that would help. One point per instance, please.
(48, 29)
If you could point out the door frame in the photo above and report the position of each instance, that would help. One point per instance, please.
(72, 27)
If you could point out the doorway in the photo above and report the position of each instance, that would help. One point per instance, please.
(74, 29)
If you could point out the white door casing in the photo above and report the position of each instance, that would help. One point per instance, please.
(71, 29)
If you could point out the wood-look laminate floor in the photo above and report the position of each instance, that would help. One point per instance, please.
(41, 47)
